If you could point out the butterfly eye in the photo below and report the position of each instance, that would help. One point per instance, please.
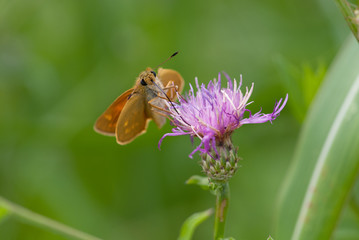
(153, 72)
(143, 83)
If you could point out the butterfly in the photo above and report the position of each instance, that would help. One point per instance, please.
(128, 116)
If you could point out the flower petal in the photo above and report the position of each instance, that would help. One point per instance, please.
(170, 134)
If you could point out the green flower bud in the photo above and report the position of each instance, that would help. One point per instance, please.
(222, 164)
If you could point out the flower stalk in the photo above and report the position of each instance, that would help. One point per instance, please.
(222, 203)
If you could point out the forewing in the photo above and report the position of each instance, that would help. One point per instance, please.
(167, 75)
(106, 123)
(133, 120)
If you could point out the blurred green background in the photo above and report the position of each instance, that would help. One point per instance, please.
(63, 62)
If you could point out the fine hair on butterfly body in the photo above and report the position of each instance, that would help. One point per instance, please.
(128, 116)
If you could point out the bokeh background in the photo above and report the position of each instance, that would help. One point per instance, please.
(63, 62)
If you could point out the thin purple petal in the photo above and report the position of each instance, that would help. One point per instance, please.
(230, 84)
(170, 134)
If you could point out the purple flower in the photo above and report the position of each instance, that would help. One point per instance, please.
(212, 113)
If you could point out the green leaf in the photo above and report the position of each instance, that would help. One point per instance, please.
(200, 181)
(270, 238)
(192, 222)
(326, 160)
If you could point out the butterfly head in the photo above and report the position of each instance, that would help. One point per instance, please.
(147, 78)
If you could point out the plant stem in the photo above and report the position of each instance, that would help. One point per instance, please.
(41, 221)
(222, 202)
(349, 16)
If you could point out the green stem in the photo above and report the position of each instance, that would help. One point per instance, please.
(222, 202)
(349, 16)
(41, 221)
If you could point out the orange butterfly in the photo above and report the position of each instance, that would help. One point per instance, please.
(128, 116)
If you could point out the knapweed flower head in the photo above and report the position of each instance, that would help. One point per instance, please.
(212, 114)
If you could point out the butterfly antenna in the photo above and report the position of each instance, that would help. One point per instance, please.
(166, 60)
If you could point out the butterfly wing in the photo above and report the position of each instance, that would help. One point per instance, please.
(106, 123)
(167, 75)
(133, 120)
